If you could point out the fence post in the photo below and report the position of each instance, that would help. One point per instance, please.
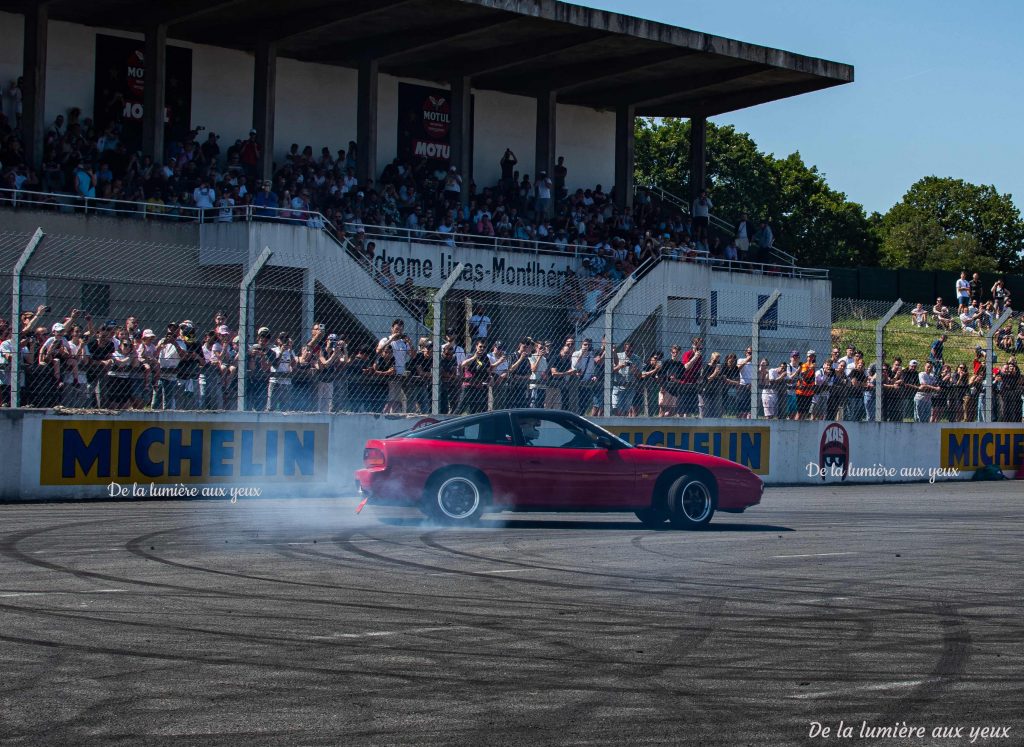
(755, 349)
(245, 301)
(990, 361)
(879, 353)
(609, 342)
(435, 365)
(26, 255)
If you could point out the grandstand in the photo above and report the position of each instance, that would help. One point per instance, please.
(157, 218)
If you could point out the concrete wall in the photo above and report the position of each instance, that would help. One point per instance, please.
(316, 104)
(50, 455)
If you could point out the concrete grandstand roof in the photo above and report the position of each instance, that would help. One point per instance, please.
(589, 57)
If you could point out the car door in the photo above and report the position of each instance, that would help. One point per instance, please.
(564, 464)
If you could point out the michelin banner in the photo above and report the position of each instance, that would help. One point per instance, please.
(98, 452)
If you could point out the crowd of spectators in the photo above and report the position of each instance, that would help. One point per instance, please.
(974, 315)
(96, 166)
(75, 362)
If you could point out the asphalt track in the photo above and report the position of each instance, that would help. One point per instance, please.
(297, 622)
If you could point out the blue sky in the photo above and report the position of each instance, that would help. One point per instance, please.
(937, 87)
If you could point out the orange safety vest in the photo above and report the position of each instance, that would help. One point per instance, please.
(805, 381)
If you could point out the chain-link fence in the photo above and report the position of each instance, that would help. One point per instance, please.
(120, 324)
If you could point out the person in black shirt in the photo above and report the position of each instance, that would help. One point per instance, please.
(417, 388)
(257, 378)
(99, 351)
(671, 374)
(518, 384)
(560, 370)
(451, 381)
(476, 375)
(188, 368)
(976, 288)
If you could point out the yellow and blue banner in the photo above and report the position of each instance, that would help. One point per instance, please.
(97, 452)
(974, 448)
(746, 445)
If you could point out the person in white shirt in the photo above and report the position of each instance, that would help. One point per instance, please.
(282, 359)
(701, 215)
(401, 348)
(538, 374)
(480, 324)
(543, 187)
(225, 205)
(963, 290)
(919, 316)
(741, 394)
(203, 196)
(927, 388)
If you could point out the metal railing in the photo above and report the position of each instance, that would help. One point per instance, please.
(722, 225)
(71, 203)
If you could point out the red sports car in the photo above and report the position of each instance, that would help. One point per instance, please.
(547, 460)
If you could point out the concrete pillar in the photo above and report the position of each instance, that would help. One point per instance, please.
(545, 153)
(462, 133)
(698, 156)
(264, 101)
(625, 155)
(33, 125)
(154, 96)
(366, 121)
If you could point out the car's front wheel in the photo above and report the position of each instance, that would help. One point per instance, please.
(456, 497)
(691, 501)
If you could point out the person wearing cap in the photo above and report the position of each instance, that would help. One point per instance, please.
(805, 386)
(258, 362)
(149, 369)
(452, 185)
(787, 404)
(168, 355)
(51, 353)
(249, 154)
(909, 385)
(187, 370)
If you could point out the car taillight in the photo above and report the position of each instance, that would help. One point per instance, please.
(373, 458)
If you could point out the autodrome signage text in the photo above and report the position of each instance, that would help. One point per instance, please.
(746, 445)
(974, 448)
(429, 265)
(97, 452)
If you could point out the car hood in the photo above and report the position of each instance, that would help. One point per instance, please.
(708, 460)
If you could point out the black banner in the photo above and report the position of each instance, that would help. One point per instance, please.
(120, 85)
(425, 122)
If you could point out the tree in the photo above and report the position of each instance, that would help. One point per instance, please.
(955, 224)
(921, 243)
(812, 221)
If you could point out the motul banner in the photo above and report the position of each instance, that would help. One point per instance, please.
(424, 123)
(121, 84)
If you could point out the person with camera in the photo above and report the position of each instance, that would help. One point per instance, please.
(76, 385)
(499, 376)
(401, 348)
(476, 371)
(330, 389)
(626, 380)
(539, 377)
(417, 388)
(508, 164)
(517, 384)
(305, 370)
(279, 387)
(451, 380)
(52, 358)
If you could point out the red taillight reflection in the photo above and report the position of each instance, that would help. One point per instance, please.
(373, 458)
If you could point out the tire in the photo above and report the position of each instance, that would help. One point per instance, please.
(652, 517)
(691, 501)
(456, 497)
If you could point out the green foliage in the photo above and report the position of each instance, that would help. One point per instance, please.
(811, 220)
(950, 224)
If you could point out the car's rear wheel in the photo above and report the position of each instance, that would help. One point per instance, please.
(652, 517)
(456, 497)
(691, 501)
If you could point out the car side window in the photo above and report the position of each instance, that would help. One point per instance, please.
(552, 433)
(492, 430)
